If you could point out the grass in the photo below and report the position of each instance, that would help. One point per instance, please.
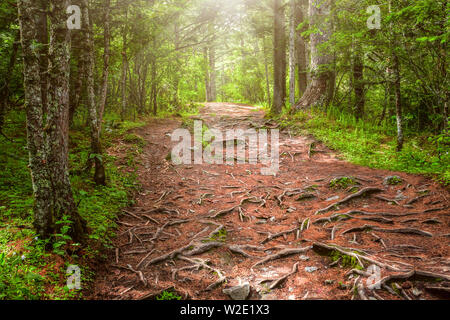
(27, 270)
(365, 143)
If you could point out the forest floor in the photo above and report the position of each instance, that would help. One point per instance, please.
(310, 232)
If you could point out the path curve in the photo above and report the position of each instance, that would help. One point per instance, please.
(196, 229)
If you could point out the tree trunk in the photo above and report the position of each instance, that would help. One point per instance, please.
(212, 73)
(207, 76)
(292, 62)
(78, 88)
(43, 40)
(94, 120)
(358, 83)
(266, 69)
(47, 130)
(279, 88)
(300, 49)
(317, 91)
(398, 102)
(106, 56)
(123, 81)
(4, 89)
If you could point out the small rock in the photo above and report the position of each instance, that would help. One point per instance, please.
(291, 297)
(329, 282)
(291, 209)
(304, 258)
(240, 292)
(272, 219)
(416, 292)
(311, 269)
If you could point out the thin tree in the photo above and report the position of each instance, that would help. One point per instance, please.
(94, 115)
(279, 64)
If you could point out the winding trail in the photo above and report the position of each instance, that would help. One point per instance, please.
(197, 229)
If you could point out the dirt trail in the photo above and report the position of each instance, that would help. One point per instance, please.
(200, 228)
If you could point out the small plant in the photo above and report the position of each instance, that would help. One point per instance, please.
(342, 182)
(62, 238)
(220, 236)
(346, 260)
(392, 181)
(168, 295)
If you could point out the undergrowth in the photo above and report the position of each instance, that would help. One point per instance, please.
(366, 143)
(27, 270)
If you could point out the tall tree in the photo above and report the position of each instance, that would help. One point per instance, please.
(279, 63)
(316, 92)
(300, 49)
(47, 128)
(292, 55)
(94, 114)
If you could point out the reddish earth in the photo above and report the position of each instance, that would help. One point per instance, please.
(172, 239)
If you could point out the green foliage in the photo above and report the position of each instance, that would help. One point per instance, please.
(168, 295)
(27, 270)
(346, 260)
(220, 236)
(369, 144)
(342, 182)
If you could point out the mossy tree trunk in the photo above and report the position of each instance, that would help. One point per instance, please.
(94, 114)
(279, 64)
(317, 91)
(47, 126)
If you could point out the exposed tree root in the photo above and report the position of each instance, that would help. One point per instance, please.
(275, 283)
(360, 193)
(400, 230)
(321, 246)
(203, 264)
(271, 236)
(281, 254)
(223, 212)
(161, 210)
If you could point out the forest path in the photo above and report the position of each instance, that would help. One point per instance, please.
(196, 229)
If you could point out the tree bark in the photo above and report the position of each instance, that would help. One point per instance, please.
(300, 48)
(94, 119)
(212, 73)
(398, 103)
(292, 60)
(266, 70)
(123, 81)
(106, 57)
(47, 128)
(207, 76)
(4, 89)
(358, 83)
(317, 91)
(279, 88)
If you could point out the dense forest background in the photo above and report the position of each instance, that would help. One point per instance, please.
(378, 95)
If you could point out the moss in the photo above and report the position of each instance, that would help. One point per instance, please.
(342, 182)
(346, 260)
